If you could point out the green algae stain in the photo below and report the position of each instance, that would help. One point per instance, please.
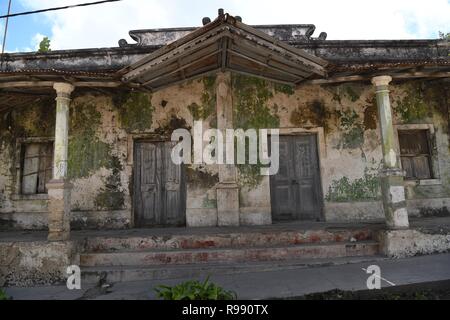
(249, 175)
(196, 111)
(202, 179)
(209, 203)
(311, 114)
(207, 108)
(348, 91)
(284, 88)
(251, 111)
(171, 124)
(371, 114)
(362, 189)
(84, 118)
(86, 152)
(111, 196)
(36, 119)
(352, 92)
(353, 138)
(412, 107)
(135, 110)
(353, 132)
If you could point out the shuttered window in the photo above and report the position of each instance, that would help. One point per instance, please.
(37, 159)
(415, 153)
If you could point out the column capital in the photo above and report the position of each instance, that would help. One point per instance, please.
(63, 88)
(381, 80)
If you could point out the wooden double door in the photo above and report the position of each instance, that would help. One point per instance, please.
(296, 189)
(159, 186)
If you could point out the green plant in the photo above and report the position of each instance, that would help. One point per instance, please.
(362, 189)
(44, 45)
(194, 290)
(3, 295)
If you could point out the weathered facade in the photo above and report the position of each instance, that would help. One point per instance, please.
(380, 109)
(85, 140)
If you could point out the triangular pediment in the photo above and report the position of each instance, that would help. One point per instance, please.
(224, 44)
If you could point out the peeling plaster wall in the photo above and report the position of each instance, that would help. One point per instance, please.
(101, 135)
(36, 262)
(407, 243)
(351, 152)
(103, 128)
(352, 157)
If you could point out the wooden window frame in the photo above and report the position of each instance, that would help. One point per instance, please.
(19, 166)
(433, 155)
(427, 155)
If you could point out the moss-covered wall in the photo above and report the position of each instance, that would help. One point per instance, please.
(34, 120)
(351, 156)
(420, 102)
(100, 147)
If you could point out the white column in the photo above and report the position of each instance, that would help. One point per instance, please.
(59, 188)
(227, 190)
(63, 91)
(391, 176)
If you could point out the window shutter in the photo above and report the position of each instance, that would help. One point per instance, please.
(415, 153)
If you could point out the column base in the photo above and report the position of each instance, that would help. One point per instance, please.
(59, 210)
(227, 204)
(393, 196)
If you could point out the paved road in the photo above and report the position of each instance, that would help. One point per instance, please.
(261, 285)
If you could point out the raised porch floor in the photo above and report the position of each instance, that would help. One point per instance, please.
(27, 258)
(430, 225)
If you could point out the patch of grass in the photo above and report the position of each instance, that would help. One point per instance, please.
(194, 290)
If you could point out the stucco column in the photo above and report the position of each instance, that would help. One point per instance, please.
(227, 190)
(391, 176)
(59, 187)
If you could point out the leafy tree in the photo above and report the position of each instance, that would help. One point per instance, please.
(44, 45)
(444, 36)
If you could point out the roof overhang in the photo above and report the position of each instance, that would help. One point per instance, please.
(225, 44)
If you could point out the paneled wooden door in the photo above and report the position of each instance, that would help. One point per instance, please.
(159, 186)
(296, 189)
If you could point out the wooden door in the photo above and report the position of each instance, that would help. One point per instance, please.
(296, 188)
(159, 187)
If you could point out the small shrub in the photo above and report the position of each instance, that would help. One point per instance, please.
(194, 290)
(3, 295)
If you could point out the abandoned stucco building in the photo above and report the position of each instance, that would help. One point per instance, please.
(364, 130)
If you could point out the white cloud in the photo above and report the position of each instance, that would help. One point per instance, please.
(36, 40)
(104, 25)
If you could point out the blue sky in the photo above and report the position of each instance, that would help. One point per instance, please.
(103, 25)
(22, 29)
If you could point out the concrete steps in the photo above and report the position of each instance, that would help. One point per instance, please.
(224, 240)
(164, 256)
(189, 256)
(196, 271)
